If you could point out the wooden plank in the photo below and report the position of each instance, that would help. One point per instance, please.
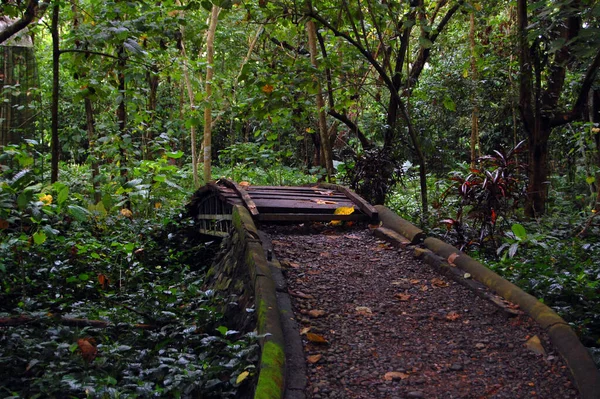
(286, 188)
(307, 197)
(309, 217)
(357, 199)
(249, 203)
(300, 204)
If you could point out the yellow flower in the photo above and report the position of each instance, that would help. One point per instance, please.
(126, 213)
(46, 199)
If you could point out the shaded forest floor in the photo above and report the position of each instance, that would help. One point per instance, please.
(376, 322)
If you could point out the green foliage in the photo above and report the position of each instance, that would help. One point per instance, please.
(63, 257)
(560, 269)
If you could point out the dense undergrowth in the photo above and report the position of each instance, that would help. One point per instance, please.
(98, 300)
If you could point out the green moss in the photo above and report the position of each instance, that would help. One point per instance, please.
(271, 381)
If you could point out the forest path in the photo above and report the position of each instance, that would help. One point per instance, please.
(395, 328)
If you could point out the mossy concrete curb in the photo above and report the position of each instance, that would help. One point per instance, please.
(583, 369)
(394, 222)
(271, 378)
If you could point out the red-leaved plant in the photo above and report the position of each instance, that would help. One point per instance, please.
(488, 193)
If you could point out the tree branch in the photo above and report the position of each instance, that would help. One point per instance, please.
(353, 127)
(21, 24)
(424, 53)
(586, 85)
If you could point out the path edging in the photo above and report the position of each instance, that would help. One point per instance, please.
(581, 365)
(271, 377)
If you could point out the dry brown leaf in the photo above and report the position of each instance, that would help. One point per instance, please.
(316, 338)
(395, 375)
(314, 358)
(301, 295)
(535, 345)
(415, 281)
(352, 236)
(316, 313)
(87, 348)
(244, 184)
(424, 288)
(452, 316)
(305, 330)
(324, 202)
(402, 297)
(452, 258)
(329, 193)
(438, 282)
(364, 310)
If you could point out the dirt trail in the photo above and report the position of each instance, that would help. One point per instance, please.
(397, 329)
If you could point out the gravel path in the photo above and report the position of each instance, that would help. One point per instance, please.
(396, 329)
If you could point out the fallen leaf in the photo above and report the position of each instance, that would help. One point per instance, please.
(343, 210)
(480, 345)
(316, 338)
(352, 236)
(243, 375)
(316, 313)
(314, 358)
(301, 295)
(324, 202)
(438, 282)
(415, 281)
(364, 310)
(87, 348)
(329, 193)
(395, 375)
(424, 288)
(402, 297)
(288, 264)
(244, 185)
(305, 330)
(535, 345)
(452, 316)
(467, 276)
(452, 258)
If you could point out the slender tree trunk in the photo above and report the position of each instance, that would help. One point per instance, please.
(190, 93)
(153, 80)
(475, 111)
(55, 92)
(210, 53)
(326, 154)
(91, 136)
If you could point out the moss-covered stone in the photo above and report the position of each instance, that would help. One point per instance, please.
(272, 368)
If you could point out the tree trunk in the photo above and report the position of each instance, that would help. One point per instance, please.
(91, 136)
(55, 92)
(475, 111)
(326, 154)
(210, 53)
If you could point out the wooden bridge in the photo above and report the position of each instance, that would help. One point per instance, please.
(213, 203)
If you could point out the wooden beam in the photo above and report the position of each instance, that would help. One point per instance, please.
(250, 205)
(309, 217)
(357, 199)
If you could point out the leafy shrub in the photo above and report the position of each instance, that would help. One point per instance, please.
(488, 195)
